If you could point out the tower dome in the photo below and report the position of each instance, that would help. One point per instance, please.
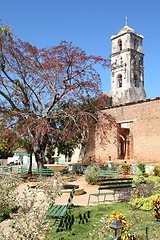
(126, 29)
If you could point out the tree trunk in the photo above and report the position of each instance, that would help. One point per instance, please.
(39, 152)
(30, 163)
(82, 152)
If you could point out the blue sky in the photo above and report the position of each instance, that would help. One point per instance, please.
(89, 24)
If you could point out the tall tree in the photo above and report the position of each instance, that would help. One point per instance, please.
(41, 87)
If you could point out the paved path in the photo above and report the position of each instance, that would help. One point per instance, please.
(81, 200)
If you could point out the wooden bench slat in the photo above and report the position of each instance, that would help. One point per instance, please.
(114, 180)
(51, 209)
(59, 211)
(115, 187)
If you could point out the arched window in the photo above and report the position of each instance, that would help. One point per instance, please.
(119, 78)
(120, 44)
(136, 81)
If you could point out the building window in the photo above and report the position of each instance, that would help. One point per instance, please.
(136, 81)
(136, 43)
(119, 80)
(120, 44)
(141, 62)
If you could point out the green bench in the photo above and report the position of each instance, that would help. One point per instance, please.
(22, 170)
(62, 213)
(106, 173)
(43, 171)
(40, 171)
(111, 186)
(6, 169)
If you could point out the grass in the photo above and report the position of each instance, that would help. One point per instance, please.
(81, 230)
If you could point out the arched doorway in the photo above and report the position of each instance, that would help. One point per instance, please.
(124, 143)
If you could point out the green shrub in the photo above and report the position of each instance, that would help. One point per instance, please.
(8, 192)
(146, 186)
(142, 168)
(126, 168)
(156, 171)
(142, 203)
(156, 207)
(91, 174)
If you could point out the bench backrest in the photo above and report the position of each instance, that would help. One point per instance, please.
(70, 199)
(42, 171)
(22, 170)
(115, 183)
(105, 173)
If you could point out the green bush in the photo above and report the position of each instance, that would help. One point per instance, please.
(142, 168)
(156, 171)
(156, 207)
(91, 174)
(142, 203)
(146, 186)
(126, 168)
(8, 192)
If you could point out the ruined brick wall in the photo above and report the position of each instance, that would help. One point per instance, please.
(143, 120)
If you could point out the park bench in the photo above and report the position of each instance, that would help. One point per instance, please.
(111, 186)
(107, 173)
(62, 213)
(43, 171)
(22, 170)
(40, 171)
(6, 169)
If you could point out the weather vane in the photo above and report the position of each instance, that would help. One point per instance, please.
(126, 21)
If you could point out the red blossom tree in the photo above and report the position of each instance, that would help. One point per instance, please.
(40, 88)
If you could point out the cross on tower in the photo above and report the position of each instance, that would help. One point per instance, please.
(126, 21)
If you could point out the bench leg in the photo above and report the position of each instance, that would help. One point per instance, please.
(105, 197)
(114, 196)
(88, 200)
(98, 199)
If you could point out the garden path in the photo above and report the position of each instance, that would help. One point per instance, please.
(80, 200)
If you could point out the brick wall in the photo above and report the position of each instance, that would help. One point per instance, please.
(143, 120)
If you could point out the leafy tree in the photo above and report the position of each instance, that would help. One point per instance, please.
(5, 149)
(41, 88)
(7, 146)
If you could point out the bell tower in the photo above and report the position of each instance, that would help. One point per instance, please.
(127, 69)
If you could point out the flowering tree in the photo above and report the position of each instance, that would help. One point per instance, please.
(41, 88)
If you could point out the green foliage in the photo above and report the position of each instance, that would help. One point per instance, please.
(5, 31)
(6, 149)
(146, 186)
(143, 203)
(52, 187)
(126, 168)
(30, 221)
(156, 207)
(142, 168)
(126, 226)
(139, 178)
(156, 171)
(8, 193)
(91, 174)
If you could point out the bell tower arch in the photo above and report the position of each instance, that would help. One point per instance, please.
(127, 68)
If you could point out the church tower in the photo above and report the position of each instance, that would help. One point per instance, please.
(127, 69)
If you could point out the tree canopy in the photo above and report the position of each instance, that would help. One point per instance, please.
(43, 92)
